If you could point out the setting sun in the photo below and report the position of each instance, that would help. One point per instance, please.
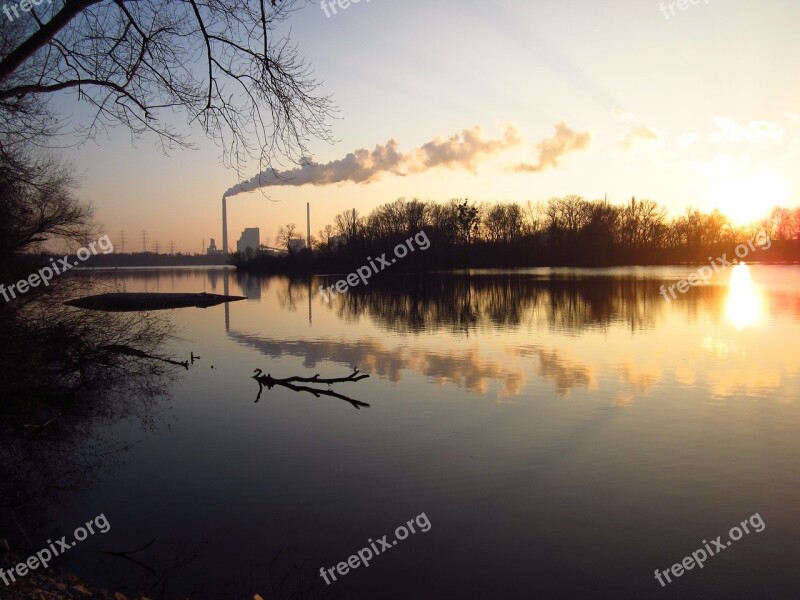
(748, 197)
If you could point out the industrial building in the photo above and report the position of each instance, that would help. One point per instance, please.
(251, 238)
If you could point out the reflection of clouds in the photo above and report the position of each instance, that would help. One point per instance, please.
(746, 381)
(731, 380)
(466, 369)
(626, 381)
(733, 373)
(635, 382)
(566, 375)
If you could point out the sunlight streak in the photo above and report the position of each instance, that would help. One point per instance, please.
(743, 305)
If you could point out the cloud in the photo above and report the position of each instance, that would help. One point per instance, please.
(756, 132)
(459, 151)
(623, 115)
(641, 136)
(687, 139)
(552, 150)
(722, 166)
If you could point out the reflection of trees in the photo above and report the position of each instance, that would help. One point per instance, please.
(49, 451)
(475, 301)
(62, 389)
(54, 352)
(153, 278)
(290, 292)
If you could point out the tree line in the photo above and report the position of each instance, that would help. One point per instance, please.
(562, 231)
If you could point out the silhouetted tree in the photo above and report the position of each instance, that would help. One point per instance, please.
(135, 62)
(285, 236)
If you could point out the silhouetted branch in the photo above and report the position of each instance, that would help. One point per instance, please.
(269, 381)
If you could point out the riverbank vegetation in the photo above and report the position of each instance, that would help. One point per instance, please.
(567, 231)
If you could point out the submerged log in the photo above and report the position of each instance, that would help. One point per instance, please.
(136, 302)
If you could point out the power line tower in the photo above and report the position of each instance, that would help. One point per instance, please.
(122, 242)
(172, 247)
(157, 247)
(144, 241)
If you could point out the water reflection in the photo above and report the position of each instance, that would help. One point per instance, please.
(43, 464)
(573, 404)
(609, 337)
(466, 369)
(743, 304)
(480, 302)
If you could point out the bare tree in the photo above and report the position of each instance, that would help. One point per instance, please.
(326, 234)
(286, 235)
(535, 216)
(37, 202)
(348, 224)
(136, 62)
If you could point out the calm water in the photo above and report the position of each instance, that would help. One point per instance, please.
(565, 432)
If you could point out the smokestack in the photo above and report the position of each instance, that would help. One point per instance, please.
(225, 225)
(308, 224)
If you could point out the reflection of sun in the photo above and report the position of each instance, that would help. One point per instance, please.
(743, 306)
(745, 198)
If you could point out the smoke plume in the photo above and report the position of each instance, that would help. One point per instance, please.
(459, 151)
(552, 150)
(640, 136)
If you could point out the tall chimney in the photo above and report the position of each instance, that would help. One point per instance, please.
(224, 226)
(308, 224)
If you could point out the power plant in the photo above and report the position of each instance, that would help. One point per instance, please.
(225, 225)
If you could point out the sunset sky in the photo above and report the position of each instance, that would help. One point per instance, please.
(700, 109)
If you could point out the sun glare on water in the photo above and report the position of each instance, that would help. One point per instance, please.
(743, 305)
(746, 198)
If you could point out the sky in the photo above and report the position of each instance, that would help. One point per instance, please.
(497, 101)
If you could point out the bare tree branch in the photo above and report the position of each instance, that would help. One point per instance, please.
(137, 62)
(269, 382)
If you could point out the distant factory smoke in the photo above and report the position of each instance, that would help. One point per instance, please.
(460, 151)
(553, 149)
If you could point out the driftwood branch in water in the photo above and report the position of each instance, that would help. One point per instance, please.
(269, 382)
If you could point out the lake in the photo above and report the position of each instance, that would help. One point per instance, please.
(564, 432)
